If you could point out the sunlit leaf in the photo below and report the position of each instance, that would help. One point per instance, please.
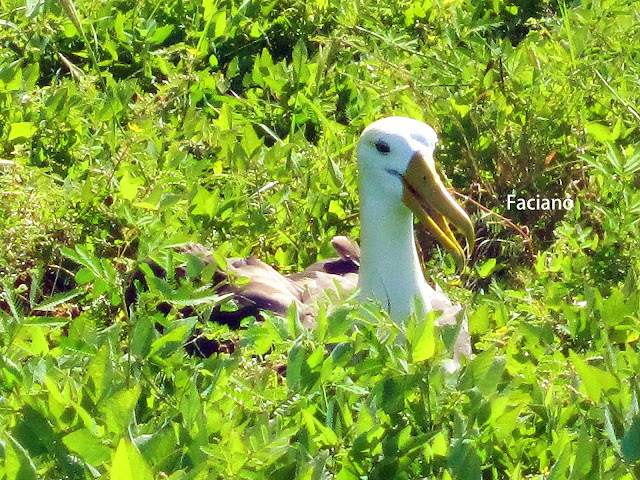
(23, 130)
(128, 464)
(594, 380)
(18, 465)
(422, 338)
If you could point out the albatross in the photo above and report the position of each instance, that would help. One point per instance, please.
(398, 180)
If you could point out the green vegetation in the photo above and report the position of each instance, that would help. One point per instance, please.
(128, 127)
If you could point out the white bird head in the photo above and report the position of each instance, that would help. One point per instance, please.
(395, 160)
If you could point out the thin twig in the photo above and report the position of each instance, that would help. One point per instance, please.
(526, 237)
(615, 94)
(62, 269)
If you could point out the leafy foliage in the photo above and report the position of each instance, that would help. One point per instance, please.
(129, 127)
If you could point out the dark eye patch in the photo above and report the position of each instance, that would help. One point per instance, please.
(382, 146)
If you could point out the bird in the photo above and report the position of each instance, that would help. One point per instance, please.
(398, 181)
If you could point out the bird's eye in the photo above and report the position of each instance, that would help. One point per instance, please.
(382, 147)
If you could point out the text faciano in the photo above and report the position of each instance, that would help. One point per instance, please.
(538, 203)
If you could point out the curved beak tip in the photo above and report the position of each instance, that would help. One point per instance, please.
(427, 197)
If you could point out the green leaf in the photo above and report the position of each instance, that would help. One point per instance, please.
(346, 473)
(559, 469)
(631, 442)
(488, 383)
(338, 323)
(219, 23)
(142, 336)
(486, 268)
(160, 34)
(206, 296)
(175, 337)
(9, 295)
(299, 59)
(18, 465)
(11, 74)
(84, 275)
(205, 202)
(119, 408)
(600, 132)
(129, 186)
(51, 302)
(194, 266)
(100, 371)
(464, 461)
(421, 336)
(22, 130)
(84, 257)
(128, 464)
(594, 380)
(479, 320)
(485, 372)
(89, 447)
(39, 436)
(296, 364)
(585, 449)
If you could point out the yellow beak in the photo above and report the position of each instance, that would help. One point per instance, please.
(426, 196)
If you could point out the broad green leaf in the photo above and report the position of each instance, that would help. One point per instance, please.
(175, 336)
(24, 130)
(600, 132)
(488, 383)
(118, 409)
(160, 34)
(479, 320)
(484, 371)
(129, 186)
(299, 60)
(39, 436)
(439, 445)
(11, 74)
(100, 371)
(486, 268)
(84, 275)
(18, 465)
(559, 469)
(33, 340)
(205, 202)
(631, 442)
(464, 462)
(194, 266)
(584, 456)
(219, 23)
(422, 337)
(346, 474)
(142, 336)
(594, 380)
(128, 464)
(89, 447)
(338, 323)
(462, 109)
(296, 361)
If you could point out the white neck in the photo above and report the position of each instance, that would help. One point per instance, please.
(390, 270)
